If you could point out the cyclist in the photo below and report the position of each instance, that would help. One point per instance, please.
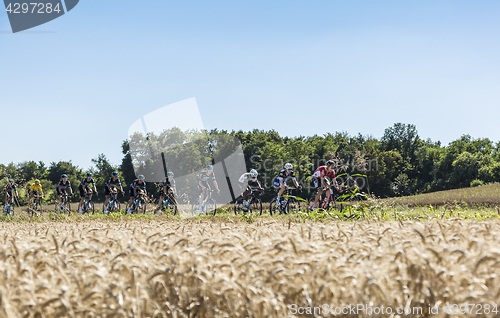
(137, 184)
(9, 188)
(203, 185)
(84, 189)
(109, 187)
(62, 186)
(280, 180)
(320, 181)
(167, 186)
(35, 189)
(246, 181)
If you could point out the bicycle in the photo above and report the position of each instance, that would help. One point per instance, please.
(254, 203)
(35, 205)
(64, 206)
(139, 203)
(88, 204)
(9, 208)
(288, 203)
(169, 203)
(113, 203)
(331, 204)
(208, 204)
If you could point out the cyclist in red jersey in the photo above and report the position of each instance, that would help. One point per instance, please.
(320, 181)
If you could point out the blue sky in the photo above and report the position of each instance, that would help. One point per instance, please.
(71, 87)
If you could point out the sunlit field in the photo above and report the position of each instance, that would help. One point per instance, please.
(228, 266)
(481, 195)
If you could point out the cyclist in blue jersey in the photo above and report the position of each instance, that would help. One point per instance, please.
(167, 186)
(109, 187)
(62, 186)
(203, 185)
(85, 189)
(137, 185)
(280, 180)
(10, 187)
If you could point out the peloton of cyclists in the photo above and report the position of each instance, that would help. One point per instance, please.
(247, 181)
(61, 188)
(84, 188)
(281, 178)
(167, 185)
(203, 185)
(8, 190)
(109, 187)
(320, 181)
(137, 185)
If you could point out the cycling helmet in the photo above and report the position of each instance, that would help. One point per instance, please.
(330, 163)
(37, 181)
(170, 174)
(64, 176)
(141, 177)
(115, 174)
(254, 173)
(288, 166)
(11, 181)
(210, 168)
(89, 175)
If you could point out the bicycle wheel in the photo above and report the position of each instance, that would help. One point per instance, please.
(238, 206)
(67, 207)
(284, 207)
(310, 204)
(211, 206)
(175, 206)
(256, 206)
(30, 209)
(172, 205)
(38, 207)
(91, 208)
(273, 208)
(293, 205)
(336, 207)
(112, 206)
(133, 208)
(10, 210)
(194, 209)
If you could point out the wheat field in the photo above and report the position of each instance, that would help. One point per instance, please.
(270, 268)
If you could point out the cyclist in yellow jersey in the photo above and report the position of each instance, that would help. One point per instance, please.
(35, 188)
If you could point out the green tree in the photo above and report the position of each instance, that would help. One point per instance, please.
(401, 185)
(31, 170)
(383, 171)
(126, 167)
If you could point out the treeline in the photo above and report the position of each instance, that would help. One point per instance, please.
(400, 163)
